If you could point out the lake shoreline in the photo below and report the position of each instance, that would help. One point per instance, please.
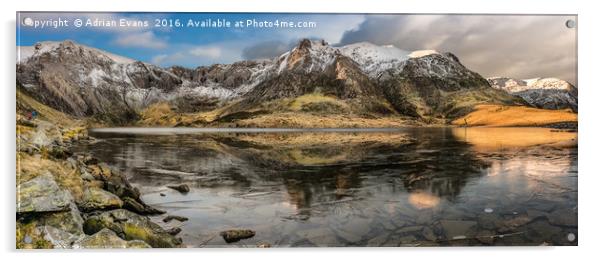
(91, 194)
(285, 167)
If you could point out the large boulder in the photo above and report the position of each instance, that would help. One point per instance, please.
(57, 229)
(42, 194)
(107, 238)
(60, 239)
(131, 226)
(70, 221)
(99, 199)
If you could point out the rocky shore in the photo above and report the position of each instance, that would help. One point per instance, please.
(75, 201)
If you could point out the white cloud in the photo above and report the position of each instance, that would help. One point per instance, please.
(207, 51)
(519, 46)
(144, 40)
(158, 59)
(197, 55)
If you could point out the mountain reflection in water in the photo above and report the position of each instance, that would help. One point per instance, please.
(414, 186)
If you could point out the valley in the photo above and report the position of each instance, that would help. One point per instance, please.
(312, 85)
(356, 145)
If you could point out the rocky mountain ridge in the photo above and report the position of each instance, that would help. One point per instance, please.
(546, 93)
(370, 79)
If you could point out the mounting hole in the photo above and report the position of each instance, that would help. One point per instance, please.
(27, 21)
(571, 237)
(570, 23)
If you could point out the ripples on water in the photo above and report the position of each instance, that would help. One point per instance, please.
(409, 187)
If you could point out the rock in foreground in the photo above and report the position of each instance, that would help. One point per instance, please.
(98, 199)
(106, 238)
(41, 194)
(131, 226)
(235, 235)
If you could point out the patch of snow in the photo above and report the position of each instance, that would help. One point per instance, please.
(46, 46)
(365, 53)
(212, 92)
(24, 52)
(421, 53)
(531, 81)
(116, 58)
(96, 76)
(374, 59)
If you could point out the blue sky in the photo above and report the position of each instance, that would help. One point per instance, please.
(184, 46)
(519, 46)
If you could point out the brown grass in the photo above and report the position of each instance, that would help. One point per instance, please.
(26, 103)
(495, 139)
(517, 116)
(29, 167)
(303, 120)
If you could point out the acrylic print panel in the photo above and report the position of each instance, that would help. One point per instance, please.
(170, 130)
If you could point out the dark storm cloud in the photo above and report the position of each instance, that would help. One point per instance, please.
(270, 49)
(515, 46)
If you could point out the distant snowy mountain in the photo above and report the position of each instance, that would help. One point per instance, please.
(548, 93)
(85, 81)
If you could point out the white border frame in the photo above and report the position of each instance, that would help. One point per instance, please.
(589, 46)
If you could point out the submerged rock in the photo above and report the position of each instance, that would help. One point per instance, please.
(407, 241)
(490, 221)
(131, 226)
(485, 236)
(322, 237)
(140, 207)
(428, 234)
(183, 188)
(42, 194)
(99, 199)
(172, 217)
(541, 230)
(514, 223)
(174, 231)
(457, 229)
(235, 235)
(563, 217)
(107, 238)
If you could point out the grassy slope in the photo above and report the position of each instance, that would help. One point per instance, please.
(26, 104)
(506, 116)
(313, 110)
(318, 111)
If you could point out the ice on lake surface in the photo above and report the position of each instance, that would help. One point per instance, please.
(375, 187)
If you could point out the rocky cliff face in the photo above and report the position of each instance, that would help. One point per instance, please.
(85, 81)
(419, 84)
(547, 93)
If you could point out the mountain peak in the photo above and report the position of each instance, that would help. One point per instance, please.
(548, 93)
(421, 53)
(68, 47)
(82, 80)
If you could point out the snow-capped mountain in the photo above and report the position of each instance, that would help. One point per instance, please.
(548, 93)
(85, 81)
(420, 83)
